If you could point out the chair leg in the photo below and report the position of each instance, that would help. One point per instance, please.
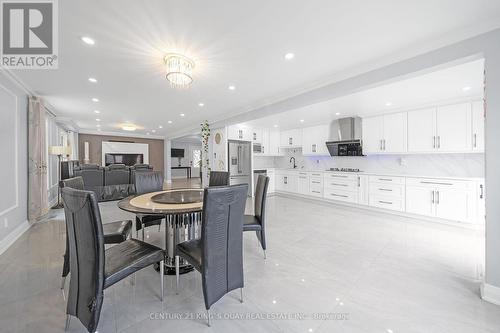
(177, 275)
(142, 233)
(159, 227)
(162, 277)
(265, 257)
(208, 317)
(63, 282)
(241, 295)
(68, 319)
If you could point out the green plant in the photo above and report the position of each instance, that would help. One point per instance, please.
(205, 137)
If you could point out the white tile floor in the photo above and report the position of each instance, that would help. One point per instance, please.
(375, 272)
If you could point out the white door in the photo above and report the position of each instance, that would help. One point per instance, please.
(452, 204)
(478, 126)
(419, 200)
(195, 160)
(395, 133)
(372, 134)
(421, 130)
(453, 123)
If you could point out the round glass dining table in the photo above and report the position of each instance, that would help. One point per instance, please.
(180, 209)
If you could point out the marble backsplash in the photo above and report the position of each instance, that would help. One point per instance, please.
(435, 165)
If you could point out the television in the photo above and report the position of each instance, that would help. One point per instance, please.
(177, 152)
(127, 159)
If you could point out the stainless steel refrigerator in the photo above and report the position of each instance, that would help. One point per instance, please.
(240, 168)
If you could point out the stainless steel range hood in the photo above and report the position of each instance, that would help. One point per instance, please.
(345, 137)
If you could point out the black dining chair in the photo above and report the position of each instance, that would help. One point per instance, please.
(257, 222)
(146, 182)
(218, 178)
(114, 232)
(218, 254)
(94, 269)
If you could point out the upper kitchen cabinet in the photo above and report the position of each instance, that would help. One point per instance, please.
(385, 134)
(240, 132)
(314, 140)
(291, 138)
(257, 135)
(442, 129)
(478, 126)
(270, 142)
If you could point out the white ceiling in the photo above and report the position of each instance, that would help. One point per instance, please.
(237, 42)
(438, 87)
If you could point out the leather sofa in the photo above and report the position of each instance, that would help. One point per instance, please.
(113, 182)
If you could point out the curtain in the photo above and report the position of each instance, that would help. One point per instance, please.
(37, 169)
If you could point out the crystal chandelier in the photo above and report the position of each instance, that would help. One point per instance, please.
(179, 70)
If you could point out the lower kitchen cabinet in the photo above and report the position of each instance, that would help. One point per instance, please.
(286, 182)
(303, 183)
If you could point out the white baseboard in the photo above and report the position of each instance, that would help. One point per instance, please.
(490, 293)
(13, 236)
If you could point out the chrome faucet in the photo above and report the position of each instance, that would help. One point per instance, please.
(294, 165)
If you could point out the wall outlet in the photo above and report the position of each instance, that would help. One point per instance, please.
(5, 223)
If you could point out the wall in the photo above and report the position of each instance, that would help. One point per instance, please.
(95, 148)
(55, 136)
(185, 161)
(261, 162)
(14, 166)
(433, 165)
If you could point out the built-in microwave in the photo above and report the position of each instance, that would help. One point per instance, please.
(258, 148)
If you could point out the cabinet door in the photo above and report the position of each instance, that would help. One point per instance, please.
(452, 204)
(478, 126)
(421, 130)
(372, 135)
(363, 190)
(257, 135)
(395, 133)
(303, 184)
(314, 139)
(419, 200)
(274, 143)
(285, 137)
(453, 124)
(296, 135)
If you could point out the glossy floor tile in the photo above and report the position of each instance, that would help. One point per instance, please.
(328, 269)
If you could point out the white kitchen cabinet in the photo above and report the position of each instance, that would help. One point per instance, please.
(387, 192)
(291, 138)
(421, 131)
(442, 129)
(314, 140)
(385, 134)
(287, 182)
(478, 126)
(442, 198)
(239, 132)
(273, 148)
(272, 180)
(257, 135)
(316, 184)
(363, 190)
(453, 123)
(303, 183)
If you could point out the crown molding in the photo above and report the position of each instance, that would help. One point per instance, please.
(128, 135)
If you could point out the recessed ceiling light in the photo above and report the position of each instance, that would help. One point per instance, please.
(231, 87)
(160, 126)
(128, 128)
(389, 330)
(182, 115)
(274, 301)
(170, 121)
(301, 120)
(275, 126)
(88, 40)
(466, 88)
(95, 100)
(289, 56)
(97, 119)
(310, 330)
(337, 113)
(98, 125)
(99, 129)
(154, 131)
(97, 111)
(201, 104)
(92, 79)
(388, 104)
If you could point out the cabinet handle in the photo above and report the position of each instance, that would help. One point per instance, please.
(313, 148)
(338, 176)
(359, 181)
(437, 197)
(475, 140)
(316, 174)
(316, 182)
(481, 194)
(385, 189)
(434, 183)
(315, 191)
(432, 200)
(338, 195)
(386, 202)
(290, 141)
(434, 142)
(381, 144)
(336, 184)
(439, 141)
(302, 177)
(385, 179)
(384, 144)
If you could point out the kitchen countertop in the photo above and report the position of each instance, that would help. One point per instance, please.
(380, 174)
